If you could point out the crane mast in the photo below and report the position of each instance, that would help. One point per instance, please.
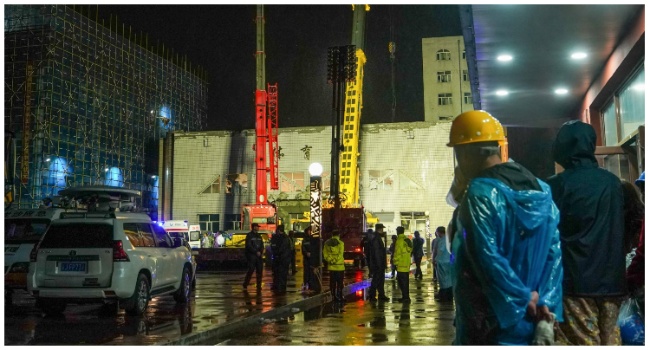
(266, 124)
(343, 210)
(348, 162)
(266, 139)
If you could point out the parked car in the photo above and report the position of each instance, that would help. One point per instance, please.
(23, 229)
(116, 258)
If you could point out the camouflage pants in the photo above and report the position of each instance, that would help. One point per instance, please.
(589, 321)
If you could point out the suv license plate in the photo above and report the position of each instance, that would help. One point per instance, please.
(73, 266)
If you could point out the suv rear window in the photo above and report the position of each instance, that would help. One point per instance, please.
(78, 235)
(27, 230)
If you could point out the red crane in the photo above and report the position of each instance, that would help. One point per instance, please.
(266, 141)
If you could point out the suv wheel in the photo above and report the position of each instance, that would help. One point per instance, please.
(137, 304)
(51, 307)
(182, 295)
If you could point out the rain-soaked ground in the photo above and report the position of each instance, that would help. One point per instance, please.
(424, 321)
(219, 302)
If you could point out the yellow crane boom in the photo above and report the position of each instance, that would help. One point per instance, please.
(348, 163)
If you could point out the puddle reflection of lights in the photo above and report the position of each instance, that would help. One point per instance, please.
(359, 293)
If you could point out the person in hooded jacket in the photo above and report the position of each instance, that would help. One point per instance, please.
(590, 200)
(402, 259)
(376, 253)
(281, 248)
(306, 256)
(333, 250)
(506, 257)
(418, 253)
(254, 251)
(443, 267)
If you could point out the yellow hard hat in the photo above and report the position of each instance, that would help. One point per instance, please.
(475, 126)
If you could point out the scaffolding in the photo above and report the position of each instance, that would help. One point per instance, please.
(88, 102)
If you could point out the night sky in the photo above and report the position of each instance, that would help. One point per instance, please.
(221, 39)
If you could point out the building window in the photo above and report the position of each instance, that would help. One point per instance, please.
(444, 99)
(214, 187)
(621, 122)
(381, 179)
(467, 98)
(465, 75)
(632, 104)
(609, 119)
(464, 54)
(444, 76)
(292, 182)
(446, 118)
(209, 222)
(232, 222)
(443, 55)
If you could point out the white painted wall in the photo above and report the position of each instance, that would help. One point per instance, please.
(413, 150)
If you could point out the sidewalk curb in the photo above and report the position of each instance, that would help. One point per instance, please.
(221, 330)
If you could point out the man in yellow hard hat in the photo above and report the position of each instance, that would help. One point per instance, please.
(506, 257)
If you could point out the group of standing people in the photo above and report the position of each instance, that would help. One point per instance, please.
(518, 251)
(526, 251)
(283, 259)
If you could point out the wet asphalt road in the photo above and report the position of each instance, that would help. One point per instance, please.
(424, 321)
(219, 300)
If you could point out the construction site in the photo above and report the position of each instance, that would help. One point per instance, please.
(86, 102)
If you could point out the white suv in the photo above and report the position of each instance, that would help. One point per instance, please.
(108, 257)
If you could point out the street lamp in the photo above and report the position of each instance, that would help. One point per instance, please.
(316, 216)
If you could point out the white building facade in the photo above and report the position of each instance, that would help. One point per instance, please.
(405, 173)
(447, 91)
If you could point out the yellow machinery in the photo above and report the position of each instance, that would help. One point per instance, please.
(348, 163)
(343, 210)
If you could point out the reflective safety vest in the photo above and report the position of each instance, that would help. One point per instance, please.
(333, 254)
(403, 249)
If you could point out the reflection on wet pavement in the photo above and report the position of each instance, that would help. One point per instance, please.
(424, 321)
(218, 299)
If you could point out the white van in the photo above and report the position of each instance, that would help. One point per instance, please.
(23, 229)
(181, 228)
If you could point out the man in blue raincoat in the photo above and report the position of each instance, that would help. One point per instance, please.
(506, 257)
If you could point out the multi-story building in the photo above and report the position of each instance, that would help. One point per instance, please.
(88, 102)
(447, 91)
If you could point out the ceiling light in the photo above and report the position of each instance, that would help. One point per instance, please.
(578, 55)
(502, 92)
(504, 58)
(561, 91)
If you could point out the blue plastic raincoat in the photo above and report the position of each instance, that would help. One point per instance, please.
(507, 245)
